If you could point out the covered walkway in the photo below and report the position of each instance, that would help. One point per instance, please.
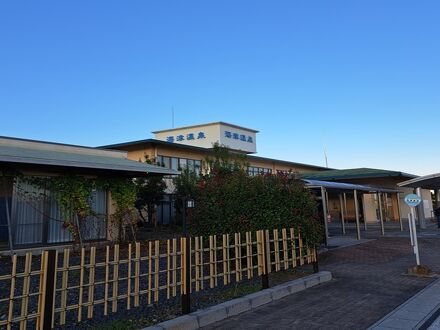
(342, 190)
(431, 182)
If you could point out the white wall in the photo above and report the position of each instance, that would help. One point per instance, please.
(205, 136)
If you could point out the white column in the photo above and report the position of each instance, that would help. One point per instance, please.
(364, 214)
(379, 200)
(356, 207)
(342, 214)
(324, 210)
(399, 211)
(420, 210)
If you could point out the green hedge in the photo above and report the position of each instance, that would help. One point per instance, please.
(228, 202)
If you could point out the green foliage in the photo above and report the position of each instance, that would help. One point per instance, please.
(186, 187)
(149, 193)
(186, 184)
(73, 195)
(225, 162)
(123, 191)
(227, 200)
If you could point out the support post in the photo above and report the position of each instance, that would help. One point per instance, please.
(324, 210)
(414, 232)
(379, 200)
(315, 263)
(48, 290)
(265, 275)
(356, 207)
(186, 296)
(385, 204)
(345, 204)
(363, 211)
(420, 211)
(342, 214)
(399, 212)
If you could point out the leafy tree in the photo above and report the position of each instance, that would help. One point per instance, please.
(149, 193)
(228, 200)
(186, 187)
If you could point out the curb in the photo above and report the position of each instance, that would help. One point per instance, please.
(237, 306)
(418, 312)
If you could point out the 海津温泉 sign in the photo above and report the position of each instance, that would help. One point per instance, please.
(232, 136)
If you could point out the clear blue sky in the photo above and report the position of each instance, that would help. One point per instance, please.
(361, 78)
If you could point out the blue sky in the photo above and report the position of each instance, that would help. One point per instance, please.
(360, 78)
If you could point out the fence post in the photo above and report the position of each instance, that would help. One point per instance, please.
(315, 262)
(48, 290)
(186, 296)
(265, 275)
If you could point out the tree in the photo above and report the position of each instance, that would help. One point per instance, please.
(228, 200)
(185, 187)
(149, 193)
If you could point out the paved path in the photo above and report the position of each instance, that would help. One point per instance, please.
(368, 284)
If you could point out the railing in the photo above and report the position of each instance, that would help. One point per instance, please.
(69, 287)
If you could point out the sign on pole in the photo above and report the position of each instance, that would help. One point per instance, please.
(412, 200)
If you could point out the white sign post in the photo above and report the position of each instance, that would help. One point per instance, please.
(412, 201)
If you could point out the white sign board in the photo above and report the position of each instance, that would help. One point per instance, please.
(232, 136)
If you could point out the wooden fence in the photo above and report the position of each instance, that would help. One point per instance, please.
(59, 288)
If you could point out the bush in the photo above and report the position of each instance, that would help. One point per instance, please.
(227, 200)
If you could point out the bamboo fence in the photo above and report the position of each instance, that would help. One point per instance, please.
(111, 279)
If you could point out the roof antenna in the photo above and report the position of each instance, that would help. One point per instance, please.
(325, 156)
(172, 116)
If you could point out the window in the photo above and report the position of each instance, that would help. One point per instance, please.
(180, 164)
(175, 163)
(159, 161)
(252, 171)
(38, 220)
(190, 164)
(166, 162)
(197, 166)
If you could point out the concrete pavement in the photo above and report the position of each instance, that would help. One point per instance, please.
(369, 283)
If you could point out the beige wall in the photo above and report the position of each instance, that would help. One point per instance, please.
(214, 133)
(140, 152)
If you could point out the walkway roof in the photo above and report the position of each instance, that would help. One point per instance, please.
(355, 173)
(15, 152)
(340, 186)
(431, 181)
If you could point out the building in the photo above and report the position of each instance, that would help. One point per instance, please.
(34, 222)
(188, 147)
(393, 205)
(378, 195)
